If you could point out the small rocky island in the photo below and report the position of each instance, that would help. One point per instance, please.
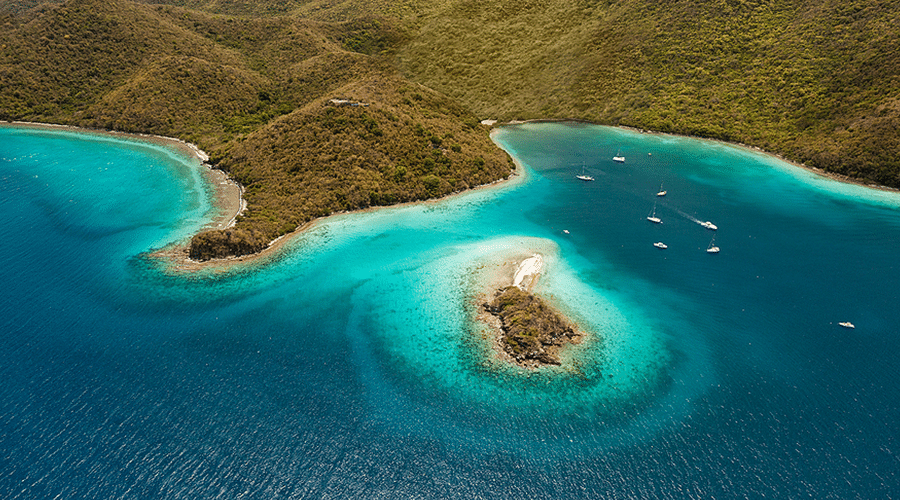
(532, 332)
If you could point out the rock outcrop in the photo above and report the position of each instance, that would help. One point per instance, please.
(227, 243)
(532, 332)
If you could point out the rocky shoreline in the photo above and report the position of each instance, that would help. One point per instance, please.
(532, 333)
(524, 329)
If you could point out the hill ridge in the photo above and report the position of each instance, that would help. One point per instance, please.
(814, 82)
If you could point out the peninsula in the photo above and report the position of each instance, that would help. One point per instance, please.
(316, 107)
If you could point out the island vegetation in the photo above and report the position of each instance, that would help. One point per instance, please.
(317, 107)
(532, 333)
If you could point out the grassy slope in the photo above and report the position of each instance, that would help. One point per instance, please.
(408, 143)
(815, 81)
(251, 92)
(88, 62)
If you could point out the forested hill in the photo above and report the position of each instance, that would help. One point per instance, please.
(250, 81)
(815, 80)
(257, 94)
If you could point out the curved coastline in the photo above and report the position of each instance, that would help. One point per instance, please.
(177, 260)
(756, 149)
(229, 201)
(228, 194)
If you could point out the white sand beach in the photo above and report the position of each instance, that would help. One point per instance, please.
(528, 271)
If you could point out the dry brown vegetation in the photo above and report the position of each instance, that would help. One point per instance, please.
(814, 81)
(532, 332)
(248, 81)
(255, 94)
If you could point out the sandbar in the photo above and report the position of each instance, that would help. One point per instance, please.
(527, 272)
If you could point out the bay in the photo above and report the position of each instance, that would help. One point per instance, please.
(350, 366)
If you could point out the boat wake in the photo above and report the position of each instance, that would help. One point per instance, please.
(688, 216)
(707, 224)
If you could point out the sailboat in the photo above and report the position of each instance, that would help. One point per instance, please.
(619, 158)
(583, 176)
(712, 248)
(661, 191)
(652, 217)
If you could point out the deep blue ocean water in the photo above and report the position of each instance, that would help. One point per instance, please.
(351, 367)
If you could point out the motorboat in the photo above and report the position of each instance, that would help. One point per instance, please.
(709, 225)
(660, 245)
(847, 324)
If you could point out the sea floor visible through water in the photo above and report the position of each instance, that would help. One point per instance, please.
(352, 364)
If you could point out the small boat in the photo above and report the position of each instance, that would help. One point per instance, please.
(712, 248)
(660, 245)
(619, 159)
(583, 176)
(652, 217)
(661, 191)
(847, 324)
(566, 231)
(709, 225)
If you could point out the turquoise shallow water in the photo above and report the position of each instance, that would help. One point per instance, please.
(351, 366)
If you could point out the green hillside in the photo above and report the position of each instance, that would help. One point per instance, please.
(390, 142)
(255, 94)
(818, 82)
(250, 81)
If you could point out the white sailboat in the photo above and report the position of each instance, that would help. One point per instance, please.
(583, 176)
(619, 159)
(712, 248)
(652, 217)
(661, 191)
